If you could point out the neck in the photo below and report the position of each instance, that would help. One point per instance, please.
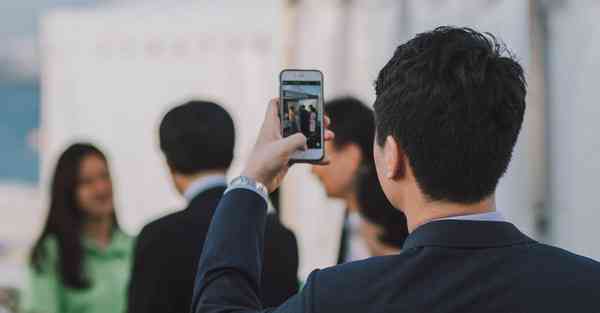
(383, 250)
(183, 182)
(427, 211)
(352, 204)
(99, 229)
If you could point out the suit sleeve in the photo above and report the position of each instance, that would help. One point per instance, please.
(144, 286)
(280, 263)
(229, 270)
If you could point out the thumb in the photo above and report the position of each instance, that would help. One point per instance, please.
(292, 143)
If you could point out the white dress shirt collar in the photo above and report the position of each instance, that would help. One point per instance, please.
(203, 184)
(494, 216)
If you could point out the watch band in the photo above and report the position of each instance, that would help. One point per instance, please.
(244, 182)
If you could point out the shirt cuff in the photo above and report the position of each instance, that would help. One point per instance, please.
(256, 190)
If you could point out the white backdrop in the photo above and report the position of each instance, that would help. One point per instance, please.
(574, 147)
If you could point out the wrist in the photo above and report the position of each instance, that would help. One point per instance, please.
(254, 176)
(249, 183)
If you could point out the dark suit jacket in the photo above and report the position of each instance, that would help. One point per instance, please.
(445, 266)
(343, 250)
(168, 249)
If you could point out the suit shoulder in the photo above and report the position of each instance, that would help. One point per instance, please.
(567, 258)
(365, 268)
(159, 228)
(351, 285)
(275, 228)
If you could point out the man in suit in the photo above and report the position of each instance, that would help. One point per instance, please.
(304, 120)
(350, 154)
(197, 139)
(449, 108)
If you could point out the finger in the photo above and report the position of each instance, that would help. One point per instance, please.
(329, 135)
(326, 121)
(273, 108)
(325, 161)
(291, 144)
(271, 125)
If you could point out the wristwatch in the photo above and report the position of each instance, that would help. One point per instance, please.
(248, 183)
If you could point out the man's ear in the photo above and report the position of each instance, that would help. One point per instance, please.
(394, 158)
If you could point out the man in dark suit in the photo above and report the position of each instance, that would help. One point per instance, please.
(304, 120)
(449, 108)
(197, 139)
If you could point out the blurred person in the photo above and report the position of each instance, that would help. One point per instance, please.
(312, 128)
(349, 153)
(197, 140)
(294, 117)
(81, 261)
(291, 120)
(304, 120)
(449, 107)
(384, 227)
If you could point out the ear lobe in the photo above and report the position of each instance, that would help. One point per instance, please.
(394, 158)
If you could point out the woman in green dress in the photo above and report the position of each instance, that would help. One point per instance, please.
(81, 261)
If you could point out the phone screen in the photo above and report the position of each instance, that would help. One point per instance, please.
(301, 110)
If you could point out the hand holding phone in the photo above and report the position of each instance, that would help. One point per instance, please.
(301, 110)
(270, 158)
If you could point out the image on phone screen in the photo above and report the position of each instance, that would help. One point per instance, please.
(301, 110)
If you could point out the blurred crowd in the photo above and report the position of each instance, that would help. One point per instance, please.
(84, 261)
(417, 174)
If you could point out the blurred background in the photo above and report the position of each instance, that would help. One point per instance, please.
(106, 72)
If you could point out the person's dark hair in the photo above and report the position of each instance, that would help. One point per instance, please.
(454, 100)
(65, 218)
(377, 209)
(197, 136)
(352, 122)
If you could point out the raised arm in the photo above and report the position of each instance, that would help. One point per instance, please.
(229, 270)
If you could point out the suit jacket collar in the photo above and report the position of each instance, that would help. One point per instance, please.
(204, 183)
(465, 234)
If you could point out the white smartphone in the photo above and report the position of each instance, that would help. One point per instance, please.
(301, 110)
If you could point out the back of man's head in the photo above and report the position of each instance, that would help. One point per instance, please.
(353, 123)
(454, 100)
(197, 136)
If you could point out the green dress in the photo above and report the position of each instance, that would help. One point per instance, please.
(107, 269)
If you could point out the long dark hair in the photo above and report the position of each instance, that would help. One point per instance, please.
(65, 218)
(376, 208)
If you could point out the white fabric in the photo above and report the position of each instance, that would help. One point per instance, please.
(488, 217)
(357, 247)
(202, 184)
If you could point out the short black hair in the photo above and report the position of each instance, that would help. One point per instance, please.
(197, 136)
(352, 122)
(377, 209)
(454, 100)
